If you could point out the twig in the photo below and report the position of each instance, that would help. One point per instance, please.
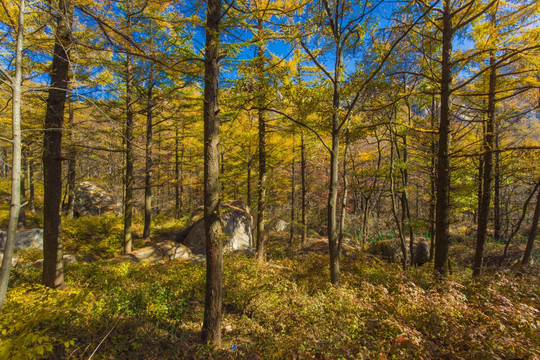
(102, 340)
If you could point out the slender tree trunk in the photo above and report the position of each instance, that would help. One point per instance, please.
(53, 269)
(520, 221)
(72, 164)
(177, 198)
(248, 185)
(487, 149)
(16, 144)
(403, 245)
(345, 190)
(497, 188)
(31, 188)
(148, 157)
(211, 331)
(304, 189)
(432, 187)
(291, 228)
(128, 137)
(480, 178)
(261, 204)
(532, 233)
(333, 236)
(442, 238)
(332, 208)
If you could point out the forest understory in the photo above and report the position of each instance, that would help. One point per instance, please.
(285, 308)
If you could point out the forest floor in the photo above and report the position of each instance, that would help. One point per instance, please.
(284, 309)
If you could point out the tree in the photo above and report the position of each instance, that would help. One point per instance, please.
(16, 84)
(53, 271)
(532, 232)
(211, 332)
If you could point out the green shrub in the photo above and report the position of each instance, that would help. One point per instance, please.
(93, 237)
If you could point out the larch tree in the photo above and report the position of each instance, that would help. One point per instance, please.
(338, 29)
(53, 271)
(15, 82)
(211, 331)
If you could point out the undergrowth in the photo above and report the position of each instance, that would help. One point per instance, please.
(285, 309)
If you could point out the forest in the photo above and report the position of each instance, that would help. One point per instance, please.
(269, 179)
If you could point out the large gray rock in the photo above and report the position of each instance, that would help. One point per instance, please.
(281, 225)
(164, 250)
(14, 259)
(421, 254)
(90, 199)
(236, 222)
(25, 239)
(388, 250)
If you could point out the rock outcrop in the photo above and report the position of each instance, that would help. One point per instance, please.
(236, 222)
(164, 250)
(25, 239)
(421, 254)
(90, 199)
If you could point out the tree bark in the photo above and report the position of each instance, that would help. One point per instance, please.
(211, 332)
(497, 188)
(53, 269)
(261, 187)
(532, 233)
(16, 144)
(402, 242)
(442, 239)
(487, 149)
(248, 185)
(432, 187)
(128, 137)
(148, 157)
(518, 225)
(304, 189)
(72, 164)
(291, 228)
(31, 188)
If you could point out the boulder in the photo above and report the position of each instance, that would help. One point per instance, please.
(389, 250)
(281, 225)
(164, 250)
(236, 222)
(90, 199)
(14, 259)
(25, 239)
(420, 254)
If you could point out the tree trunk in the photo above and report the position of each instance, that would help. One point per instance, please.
(148, 158)
(261, 204)
(31, 188)
(432, 176)
(128, 137)
(518, 225)
(532, 233)
(72, 164)
(177, 198)
(53, 269)
(248, 185)
(16, 144)
(345, 190)
(304, 190)
(291, 228)
(402, 242)
(332, 207)
(487, 149)
(211, 332)
(497, 189)
(442, 238)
